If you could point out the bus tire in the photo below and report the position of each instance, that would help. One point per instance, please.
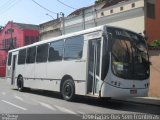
(20, 84)
(68, 90)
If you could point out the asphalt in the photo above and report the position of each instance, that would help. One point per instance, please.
(142, 100)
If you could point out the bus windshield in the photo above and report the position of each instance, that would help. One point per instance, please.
(129, 55)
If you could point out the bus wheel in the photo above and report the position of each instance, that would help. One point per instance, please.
(68, 90)
(20, 84)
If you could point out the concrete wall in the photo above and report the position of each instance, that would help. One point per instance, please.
(130, 17)
(154, 89)
(133, 20)
(50, 29)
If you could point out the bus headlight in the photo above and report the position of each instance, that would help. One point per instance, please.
(146, 85)
(115, 83)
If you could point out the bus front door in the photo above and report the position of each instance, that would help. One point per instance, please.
(93, 83)
(14, 61)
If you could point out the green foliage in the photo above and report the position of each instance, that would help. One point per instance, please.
(99, 1)
(1, 28)
(155, 43)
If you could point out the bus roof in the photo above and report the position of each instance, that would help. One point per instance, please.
(99, 28)
(61, 37)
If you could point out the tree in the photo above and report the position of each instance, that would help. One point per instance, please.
(1, 28)
(99, 1)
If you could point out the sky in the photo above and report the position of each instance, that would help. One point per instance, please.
(27, 11)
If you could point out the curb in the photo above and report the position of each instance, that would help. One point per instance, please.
(142, 100)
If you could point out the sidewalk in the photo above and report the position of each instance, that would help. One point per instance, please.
(143, 100)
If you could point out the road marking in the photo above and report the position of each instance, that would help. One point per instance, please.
(47, 106)
(3, 93)
(65, 110)
(14, 105)
(19, 98)
(80, 112)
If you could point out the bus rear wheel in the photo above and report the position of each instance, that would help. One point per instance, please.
(20, 84)
(68, 90)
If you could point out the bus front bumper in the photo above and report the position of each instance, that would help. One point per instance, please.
(108, 90)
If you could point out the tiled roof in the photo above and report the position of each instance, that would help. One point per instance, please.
(107, 3)
(26, 26)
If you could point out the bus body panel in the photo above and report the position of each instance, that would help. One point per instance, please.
(29, 71)
(41, 70)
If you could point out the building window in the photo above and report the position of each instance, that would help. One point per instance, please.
(121, 8)
(15, 42)
(26, 40)
(151, 10)
(3, 44)
(133, 5)
(111, 11)
(73, 48)
(102, 13)
(56, 50)
(4, 62)
(37, 39)
(32, 39)
(42, 53)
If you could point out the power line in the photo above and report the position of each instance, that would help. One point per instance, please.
(6, 4)
(11, 4)
(66, 5)
(44, 7)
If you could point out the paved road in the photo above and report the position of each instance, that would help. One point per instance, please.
(45, 102)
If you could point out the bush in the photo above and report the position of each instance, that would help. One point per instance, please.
(155, 44)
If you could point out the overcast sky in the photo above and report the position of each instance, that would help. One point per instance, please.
(27, 11)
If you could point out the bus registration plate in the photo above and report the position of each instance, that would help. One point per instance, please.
(133, 91)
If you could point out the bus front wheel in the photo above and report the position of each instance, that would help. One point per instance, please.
(68, 90)
(20, 84)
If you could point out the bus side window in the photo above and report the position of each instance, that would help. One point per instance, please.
(22, 57)
(56, 50)
(42, 53)
(31, 53)
(9, 58)
(74, 47)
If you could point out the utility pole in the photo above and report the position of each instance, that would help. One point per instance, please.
(63, 23)
(83, 19)
(10, 30)
(95, 17)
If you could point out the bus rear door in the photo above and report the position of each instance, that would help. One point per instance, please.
(13, 67)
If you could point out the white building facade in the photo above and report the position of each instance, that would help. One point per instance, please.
(126, 14)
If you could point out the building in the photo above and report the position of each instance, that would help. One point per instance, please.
(152, 20)
(141, 16)
(15, 35)
(50, 29)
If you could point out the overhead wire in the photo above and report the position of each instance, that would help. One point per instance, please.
(4, 4)
(8, 5)
(66, 5)
(43, 7)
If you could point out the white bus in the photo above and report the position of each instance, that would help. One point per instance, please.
(101, 62)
